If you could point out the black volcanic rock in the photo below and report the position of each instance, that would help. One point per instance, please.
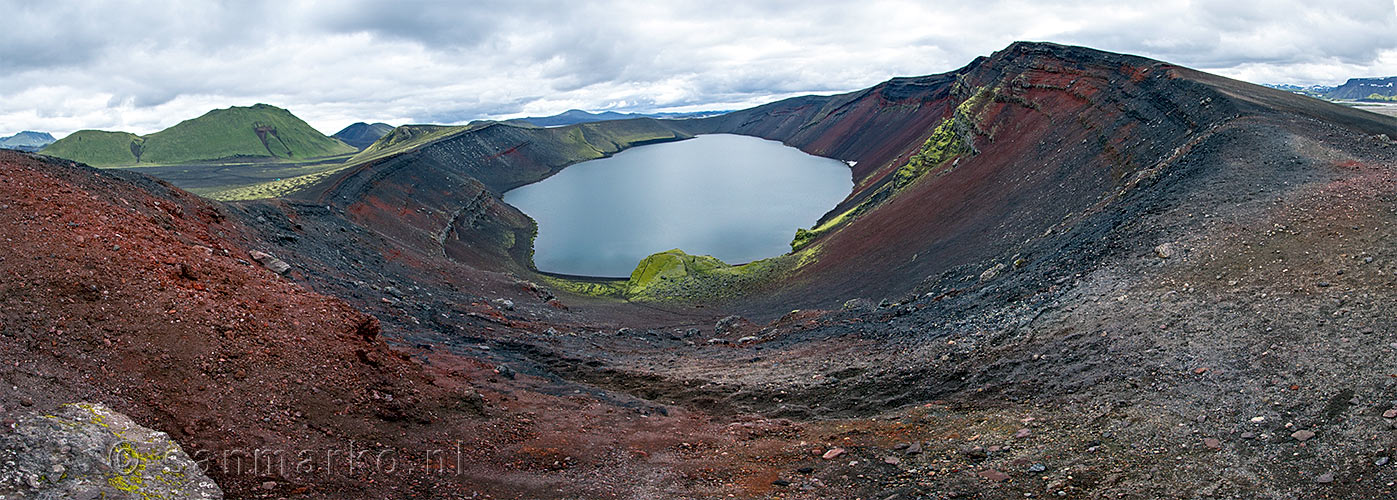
(361, 135)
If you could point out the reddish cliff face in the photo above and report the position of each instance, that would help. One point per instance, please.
(875, 127)
(124, 290)
(1054, 142)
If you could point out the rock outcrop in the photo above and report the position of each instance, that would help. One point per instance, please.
(88, 451)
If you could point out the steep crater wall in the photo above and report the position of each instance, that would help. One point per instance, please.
(445, 195)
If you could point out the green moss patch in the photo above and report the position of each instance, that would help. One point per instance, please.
(952, 139)
(675, 276)
(943, 145)
(667, 266)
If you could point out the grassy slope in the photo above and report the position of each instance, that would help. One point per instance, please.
(224, 133)
(218, 134)
(399, 140)
(405, 138)
(95, 147)
(589, 140)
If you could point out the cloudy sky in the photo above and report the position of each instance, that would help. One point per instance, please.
(143, 66)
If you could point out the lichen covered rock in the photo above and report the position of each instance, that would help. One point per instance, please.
(670, 265)
(88, 451)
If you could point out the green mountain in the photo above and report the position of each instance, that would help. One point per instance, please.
(256, 132)
(96, 147)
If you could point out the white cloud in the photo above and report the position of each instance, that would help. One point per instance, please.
(66, 66)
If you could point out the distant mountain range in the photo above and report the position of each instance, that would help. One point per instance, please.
(361, 135)
(254, 132)
(27, 140)
(1384, 89)
(1365, 88)
(575, 116)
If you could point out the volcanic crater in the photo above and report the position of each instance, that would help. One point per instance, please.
(1061, 272)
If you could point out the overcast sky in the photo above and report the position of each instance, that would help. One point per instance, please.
(140, 67)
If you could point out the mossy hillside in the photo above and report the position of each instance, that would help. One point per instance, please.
(407, 137)
(689, 278)
(669, 265)
(613, 136)
(949, 141)
(676, 276)
(96, 147)
(608, 288)
(804, 236)
(590, 141)
(943, 145)
(259, 131)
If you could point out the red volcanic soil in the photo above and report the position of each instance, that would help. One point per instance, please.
(124, 290)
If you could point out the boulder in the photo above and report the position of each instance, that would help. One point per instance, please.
(858, 305)
(89, 451)
(731, 324)
(271, 263)
(992, 272)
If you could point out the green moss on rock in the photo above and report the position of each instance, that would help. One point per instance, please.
(601, 288)
(943, 145)
(676, 276)
(87, 450)
(669, 265)
(952, 139)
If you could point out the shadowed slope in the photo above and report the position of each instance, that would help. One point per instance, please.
(361, 135)
(442, 192)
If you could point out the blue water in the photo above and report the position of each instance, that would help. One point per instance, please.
(734, 197)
